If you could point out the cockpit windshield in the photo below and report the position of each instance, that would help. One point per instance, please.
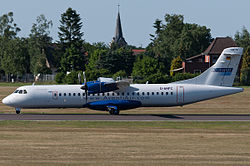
(20, 91)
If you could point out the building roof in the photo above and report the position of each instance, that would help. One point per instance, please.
(219, 44)
(216, 47)
(138, 51)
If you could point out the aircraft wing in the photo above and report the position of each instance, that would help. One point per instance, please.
(118, 85)
(122, 84)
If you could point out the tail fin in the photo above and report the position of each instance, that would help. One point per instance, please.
(223, 72)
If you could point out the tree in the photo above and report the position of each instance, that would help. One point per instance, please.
(8, 31)
(245, 68)
(71, 60)
(15, 59)
(109, 61)
(242, 39)
(176, 38)
(70, 29)
(12, 49)
(71, 42)
(147, 69)
(93, 69)
(39, 41)
(116, 60)
(175, 64)
(8, 28)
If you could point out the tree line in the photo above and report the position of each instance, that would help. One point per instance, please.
(172, 42)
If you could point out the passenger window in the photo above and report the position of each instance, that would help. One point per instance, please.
(133, 93)
(24, 91)
(64, 94)
(118, 94)
(79, 94)
(113, 94)
(143, 93)
(153, 93)
(147, 93)
(98, 94)
(103, 94)
(122, 93)
(138, 93)
(60, 94)
(162, 93)
(55, 94)
(128, 93)
(166, 93)
(74, 94)
(172, 93)
(83, 94)
(69, 94)
(157, 93)
(107, 94)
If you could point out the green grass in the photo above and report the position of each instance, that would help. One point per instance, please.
(220, 125)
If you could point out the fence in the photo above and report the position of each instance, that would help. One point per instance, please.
(27, 78)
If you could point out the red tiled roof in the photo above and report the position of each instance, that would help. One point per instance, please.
(138, 51)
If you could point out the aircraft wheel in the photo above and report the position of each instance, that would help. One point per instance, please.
(116, 112)
(18, 110)
(111, 112)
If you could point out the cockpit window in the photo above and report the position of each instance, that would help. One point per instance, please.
(21, 91)
(16, 91)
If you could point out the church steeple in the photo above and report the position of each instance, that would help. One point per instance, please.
(119, 39)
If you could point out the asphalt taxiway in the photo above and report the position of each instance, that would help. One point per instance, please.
(126, 117)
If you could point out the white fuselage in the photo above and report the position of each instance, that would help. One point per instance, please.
(71, 96)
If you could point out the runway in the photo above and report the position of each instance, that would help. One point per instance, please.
(132, 117)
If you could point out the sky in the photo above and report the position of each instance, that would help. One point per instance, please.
(223, 17)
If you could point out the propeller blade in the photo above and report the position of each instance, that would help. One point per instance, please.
(79, 78)
(84, 78)
(85, 86)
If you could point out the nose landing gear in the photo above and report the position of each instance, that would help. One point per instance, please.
(18, 110)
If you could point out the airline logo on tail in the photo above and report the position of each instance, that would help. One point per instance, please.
(223, 71)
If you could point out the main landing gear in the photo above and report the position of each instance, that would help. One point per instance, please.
(18, 110)
(113, 110)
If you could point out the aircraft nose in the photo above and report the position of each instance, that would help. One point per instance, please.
(6, 100)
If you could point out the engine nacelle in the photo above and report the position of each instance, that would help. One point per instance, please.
(100, 86)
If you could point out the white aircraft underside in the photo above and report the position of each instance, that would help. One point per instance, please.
(215, 82)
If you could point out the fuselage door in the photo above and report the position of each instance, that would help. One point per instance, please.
(53, 96)
(180, 94)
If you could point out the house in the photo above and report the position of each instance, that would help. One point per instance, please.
(200, 63)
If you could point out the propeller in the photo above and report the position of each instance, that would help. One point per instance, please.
(85, 87)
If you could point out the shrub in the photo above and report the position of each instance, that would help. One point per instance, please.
(72, 78)
(60, 77)
(245, 76)
(183, 76)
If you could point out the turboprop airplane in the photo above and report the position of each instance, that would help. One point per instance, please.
(112, 96)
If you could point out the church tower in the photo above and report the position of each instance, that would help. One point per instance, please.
(118, 39)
